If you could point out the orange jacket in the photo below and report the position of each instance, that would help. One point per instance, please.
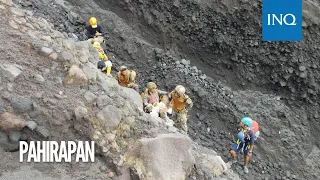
(177, 102)
(123, 79)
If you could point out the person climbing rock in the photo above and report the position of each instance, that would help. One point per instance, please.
(151, 94)
(245, 141)
(163, 107)
(104, 63)
(94, 31)
(181, 104)
(126, 78)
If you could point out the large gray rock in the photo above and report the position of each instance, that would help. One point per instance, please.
(103, 101)
(209, 162)
(21, 104)
(18, 11)
(110, 117)
(11, 71)
(15, 136)
(82, 50)
(76, 76)
(107, 84)
(167, 156)
(91, 71)
(46, 51)
(43, 131)
(5, 143)
(69, 44)
(31, 125)
(89, 97)
(65, 56)
(133, 95)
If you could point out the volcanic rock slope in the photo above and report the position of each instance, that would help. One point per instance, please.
(235, 73)
(51, 90)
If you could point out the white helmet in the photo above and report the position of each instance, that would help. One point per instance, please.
(180, 89)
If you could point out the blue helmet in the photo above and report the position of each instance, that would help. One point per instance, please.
(246, 121)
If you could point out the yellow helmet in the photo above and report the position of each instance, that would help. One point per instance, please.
(93, 22)
(96, 45)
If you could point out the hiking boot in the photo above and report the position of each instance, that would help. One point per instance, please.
(246, 170)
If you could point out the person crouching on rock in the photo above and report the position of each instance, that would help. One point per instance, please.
(151, 94)
(179, 101)
(94, 31)
(126, 78)
(104, 63)
(245, 141)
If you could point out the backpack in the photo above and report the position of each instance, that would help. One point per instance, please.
(255, 128)
(132, 75)
(101, 64)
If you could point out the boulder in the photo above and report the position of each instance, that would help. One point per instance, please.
(15, 136)
(65, 56)
(18, 11)
(91, 71)
(5, 143)
(46, 51)
(80, 113)
(76, 76)
(82, 50)
(10, 122)
(13, 24)
(104, 100)
(69, 43)
(7, 2)
(43, 131)
(21, 104)
(31, 125)
(107, 84)
(133, 95)
(167, 156)
(89, 97)
(11, 71)
(208, 161)
(110, 117)
(39, 78)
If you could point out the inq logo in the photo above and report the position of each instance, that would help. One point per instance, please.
(288, 19)
(281, 20)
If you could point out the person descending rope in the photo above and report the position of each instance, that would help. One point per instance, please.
(104, 64)
(94, 31)
(126, 78)
(179, 101)
(245, 140)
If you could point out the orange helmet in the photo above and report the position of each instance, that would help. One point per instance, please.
(93, 22)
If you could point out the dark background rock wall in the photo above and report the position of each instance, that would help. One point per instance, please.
(234, 53)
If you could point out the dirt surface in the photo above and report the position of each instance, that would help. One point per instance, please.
(275, 83)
